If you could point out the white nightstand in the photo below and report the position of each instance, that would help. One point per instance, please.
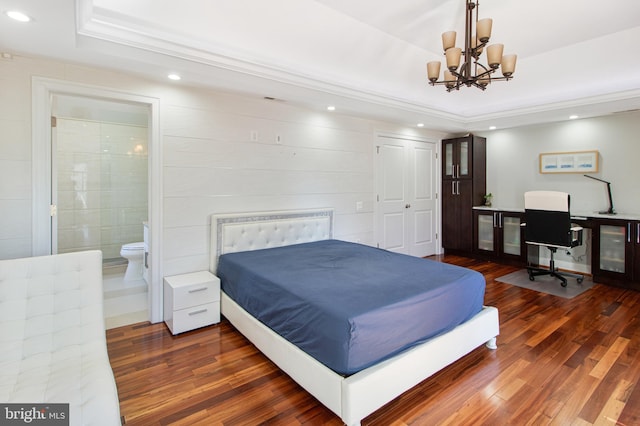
(191, 301)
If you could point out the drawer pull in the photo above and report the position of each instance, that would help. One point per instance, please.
(195, 290)
(201, 311)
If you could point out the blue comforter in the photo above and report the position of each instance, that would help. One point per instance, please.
(349, 305)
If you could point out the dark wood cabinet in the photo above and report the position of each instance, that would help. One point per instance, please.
(457, 216)
(498, 235)
(636, 254)
(616, 252)
(464, 162)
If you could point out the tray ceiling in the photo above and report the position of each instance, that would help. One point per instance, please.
(366, 57)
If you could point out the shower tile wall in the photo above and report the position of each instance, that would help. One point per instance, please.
(102, 185)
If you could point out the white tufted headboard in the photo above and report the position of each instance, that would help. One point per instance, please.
(252, 231)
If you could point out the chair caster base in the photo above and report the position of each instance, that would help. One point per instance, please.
(534, 272)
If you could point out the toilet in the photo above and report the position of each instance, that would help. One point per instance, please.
(134, 253)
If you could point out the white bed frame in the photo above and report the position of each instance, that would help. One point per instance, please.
(354, 397)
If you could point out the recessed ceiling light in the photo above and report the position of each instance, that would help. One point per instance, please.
(331, 108)
(573, 117)
(492, 127)
(18, 16)
(174, 76)
(420, 124)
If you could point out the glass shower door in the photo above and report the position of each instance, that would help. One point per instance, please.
(99, 186)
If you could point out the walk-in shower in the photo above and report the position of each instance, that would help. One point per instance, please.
(99, 175)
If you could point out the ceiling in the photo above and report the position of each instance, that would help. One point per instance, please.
(366, 57)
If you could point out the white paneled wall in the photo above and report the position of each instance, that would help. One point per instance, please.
(231, 155)
(101, 171)
(15, 162)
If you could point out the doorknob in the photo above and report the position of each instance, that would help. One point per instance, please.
(407, 206)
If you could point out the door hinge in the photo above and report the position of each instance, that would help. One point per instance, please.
(53, 210)
(378, 197)
(378, 149)
(54, 121)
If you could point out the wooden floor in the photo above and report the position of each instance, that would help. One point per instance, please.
(559, 362)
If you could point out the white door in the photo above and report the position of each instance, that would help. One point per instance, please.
(406, 195)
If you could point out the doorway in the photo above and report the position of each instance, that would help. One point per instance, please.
(45, 91)
(99, 191)
(99, 175)
(406, 215)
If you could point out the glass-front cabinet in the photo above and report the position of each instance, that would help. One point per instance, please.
(498, 234)
(612, 248)
(457, 158)
(511, 235)
(616, 257)
(486, 238)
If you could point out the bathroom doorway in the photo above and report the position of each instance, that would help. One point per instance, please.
(99, 175)
(43, 91)
(99, 193)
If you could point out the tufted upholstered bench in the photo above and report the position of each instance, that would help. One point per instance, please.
(52, 338)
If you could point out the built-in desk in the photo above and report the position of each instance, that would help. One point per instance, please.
(615, 251)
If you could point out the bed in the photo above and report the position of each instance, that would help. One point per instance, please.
(353, 386)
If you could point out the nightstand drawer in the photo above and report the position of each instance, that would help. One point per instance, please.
(192, 289)
(195, 317)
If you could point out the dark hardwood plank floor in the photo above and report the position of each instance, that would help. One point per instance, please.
(558, 362)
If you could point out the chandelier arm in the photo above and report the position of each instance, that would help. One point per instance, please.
(486, 72)
(502, 78)
(475, 52)
(456, 85)
(485, 68)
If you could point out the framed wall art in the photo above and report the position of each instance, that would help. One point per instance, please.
(569, 162)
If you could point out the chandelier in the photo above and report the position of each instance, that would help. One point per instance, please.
(471, 72)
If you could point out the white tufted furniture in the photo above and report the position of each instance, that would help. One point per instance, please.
(52, 336)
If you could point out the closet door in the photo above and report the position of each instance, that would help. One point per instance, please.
(406, 196)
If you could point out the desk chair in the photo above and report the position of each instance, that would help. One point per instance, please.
(548, 224)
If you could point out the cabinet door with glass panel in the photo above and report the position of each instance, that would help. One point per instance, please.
(614, 249)
(499, 234)
(456, 158)
(485, 227)
(512, 242)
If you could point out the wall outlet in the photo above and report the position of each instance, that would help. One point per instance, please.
(254, 136)
(359, 206)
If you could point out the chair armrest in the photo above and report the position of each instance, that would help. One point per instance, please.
(576, 235)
